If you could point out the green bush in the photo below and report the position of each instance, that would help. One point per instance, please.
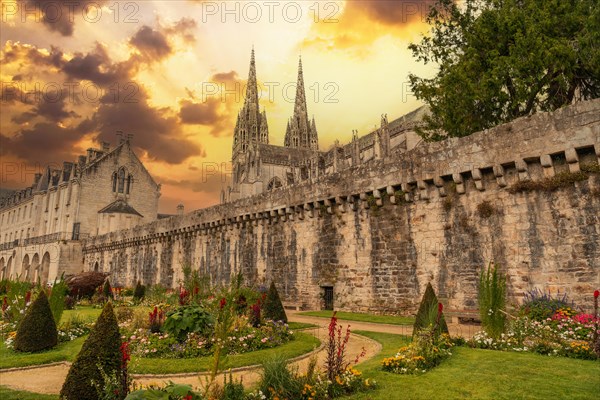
(57, 299)
(188, 319)
(101, 350)
(37, 330)
(492, 301)
(427, 314)
(139, 292)
(273, 308)
(107, 291)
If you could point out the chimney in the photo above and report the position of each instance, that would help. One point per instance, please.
(36, 178)
(105, 147)
(180, 209)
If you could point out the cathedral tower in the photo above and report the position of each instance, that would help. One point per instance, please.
(251, 126)
(300, 131)
(250, 129)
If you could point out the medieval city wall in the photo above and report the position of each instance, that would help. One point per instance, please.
(380, 231)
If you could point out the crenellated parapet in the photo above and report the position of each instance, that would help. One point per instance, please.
(528, 149)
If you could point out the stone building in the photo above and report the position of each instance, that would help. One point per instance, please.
(41, 227)
(259, 166)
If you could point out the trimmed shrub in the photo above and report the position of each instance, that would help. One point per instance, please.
(85, 283)
(57, 299)
(107, 290)
(139, 292)
(273, 308)
(427, 314)
(37, 330)
(100, 350)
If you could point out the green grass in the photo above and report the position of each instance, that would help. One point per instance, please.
(362, 317)
(303, 343)
(483, 374)
(300, 325)
(9, 394)
(66, 351)
(83, 313)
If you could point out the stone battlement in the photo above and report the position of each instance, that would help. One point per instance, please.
(528, 148)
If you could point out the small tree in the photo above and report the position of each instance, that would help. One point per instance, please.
(57, 298)
(139, 292)
(37, 330)
(107, 290)
(492, 300)
(273, 308)
(100, 352)
(428, 313)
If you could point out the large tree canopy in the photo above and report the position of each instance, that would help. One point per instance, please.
(503, 59)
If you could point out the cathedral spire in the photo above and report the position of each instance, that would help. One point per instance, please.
(299, 131)
(251, 126)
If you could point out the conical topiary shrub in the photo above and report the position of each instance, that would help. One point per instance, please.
(427, 313)
(107, 290)
(37, 330)
(273, 308)
(139, 292)
(102, 348)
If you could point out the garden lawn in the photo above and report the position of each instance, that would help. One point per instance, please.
(362, 317)
(66, 351)
(302, 344)
(9, 394)
(294, 326)
(83, 313)
(483, 374)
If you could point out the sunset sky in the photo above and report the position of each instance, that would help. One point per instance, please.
(74, 73)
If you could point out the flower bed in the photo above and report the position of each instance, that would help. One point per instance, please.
(559, 335)
(243, 339)
(421, 355)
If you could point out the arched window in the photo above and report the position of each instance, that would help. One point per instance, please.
(129, 182)
(121, 179)
(114, 182)
(274, 183)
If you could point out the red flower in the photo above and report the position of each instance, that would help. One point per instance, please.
(4, 304)
(27, 296)
(126, 356)
(440, 308)
(188, 397)
(596, 294)
(222, 303)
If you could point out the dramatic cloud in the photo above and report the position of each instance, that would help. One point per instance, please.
(46, 142)
(155, 44)
(199, 113)
(51, 106)
(152, 44)
(60, 16)
(98, 68)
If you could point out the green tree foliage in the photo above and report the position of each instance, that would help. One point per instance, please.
(500, 60)
(37, 330)
(273, 308)
(57, 298)
(139, 292)
(107, 290)
(427, 314)
(100, 350)
(492, 301)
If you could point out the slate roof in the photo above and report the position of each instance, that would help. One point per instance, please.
(121, 207)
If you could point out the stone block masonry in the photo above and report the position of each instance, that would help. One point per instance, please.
(380, 231)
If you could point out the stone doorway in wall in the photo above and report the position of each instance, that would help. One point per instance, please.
(327, 297)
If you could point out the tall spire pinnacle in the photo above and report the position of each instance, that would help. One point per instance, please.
(252, 125)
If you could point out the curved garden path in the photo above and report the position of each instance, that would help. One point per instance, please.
(50, 377)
